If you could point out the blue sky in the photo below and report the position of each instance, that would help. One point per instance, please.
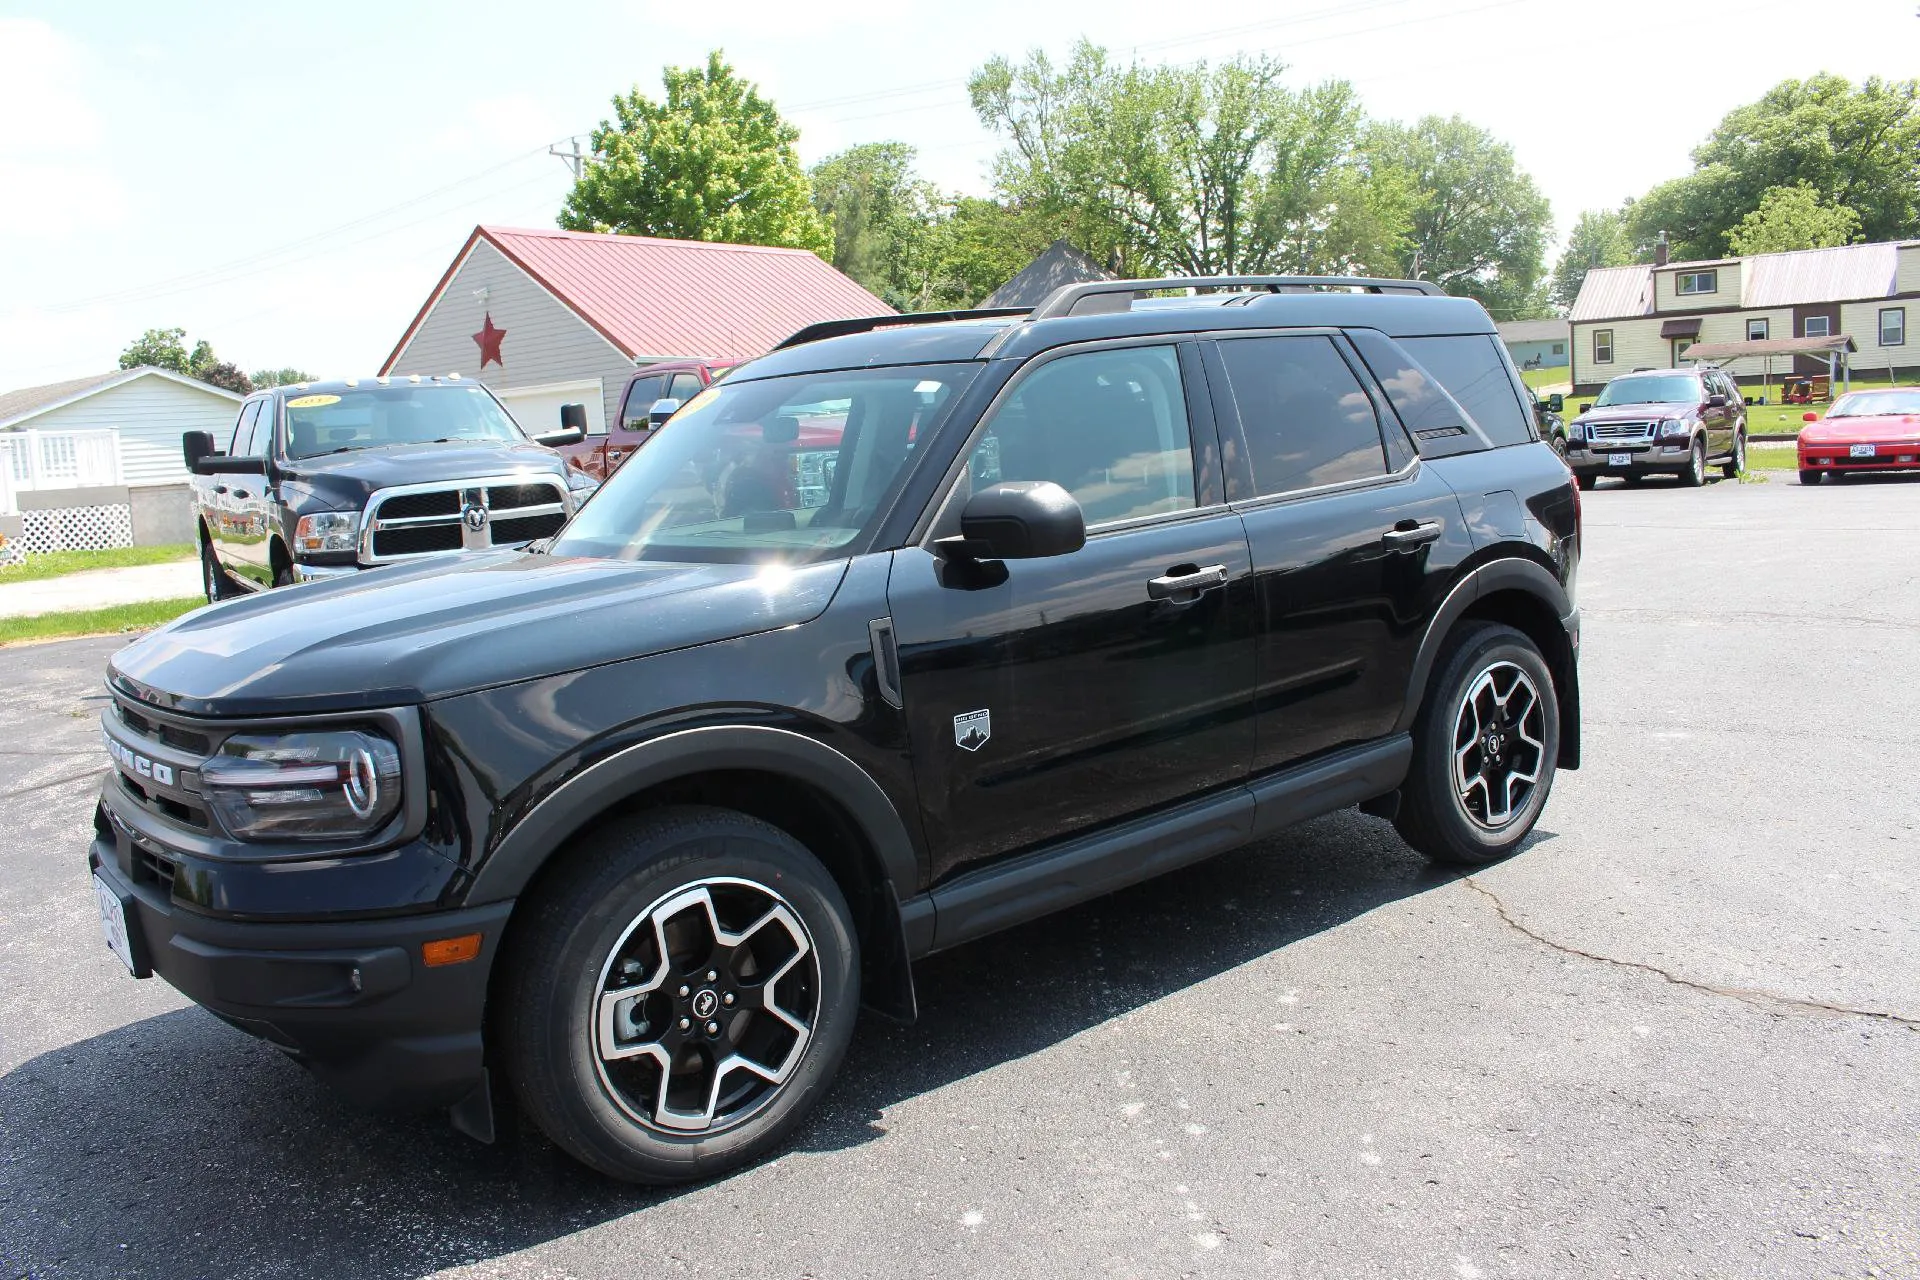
(288, 180)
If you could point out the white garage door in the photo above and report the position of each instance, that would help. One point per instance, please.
(537, 409)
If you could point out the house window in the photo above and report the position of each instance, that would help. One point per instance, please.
(1893, 327)
(1817, 327)
(1699, 282)
(1757, 330)
(1559, 348)
(1603, 346)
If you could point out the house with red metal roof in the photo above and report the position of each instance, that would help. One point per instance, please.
(547, 317)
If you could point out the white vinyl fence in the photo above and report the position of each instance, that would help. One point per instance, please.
(32, 460)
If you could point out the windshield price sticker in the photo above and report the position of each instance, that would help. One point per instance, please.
(312, 402)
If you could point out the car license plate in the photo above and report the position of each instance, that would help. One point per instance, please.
(1619, 459)
(113, 922)
(1860, 451)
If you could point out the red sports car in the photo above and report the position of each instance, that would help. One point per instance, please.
(1864, 431)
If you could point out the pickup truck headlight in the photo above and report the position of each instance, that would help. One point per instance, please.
(580, 487)
(327, 785)
(327, 531)
(1674, 428)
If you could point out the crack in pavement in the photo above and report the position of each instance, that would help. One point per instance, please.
(1761, 999)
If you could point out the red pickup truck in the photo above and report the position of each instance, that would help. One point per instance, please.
(677, 381)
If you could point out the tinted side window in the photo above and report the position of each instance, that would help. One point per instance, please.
(1307, 420)
(1110, 427)
(1471, 369)
(640, 398)
(242, 429)
(684, 387)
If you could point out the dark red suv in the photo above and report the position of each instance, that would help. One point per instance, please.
(677, 381)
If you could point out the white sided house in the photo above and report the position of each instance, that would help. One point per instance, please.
(1648, 316)
(96, 462)
(546, 318)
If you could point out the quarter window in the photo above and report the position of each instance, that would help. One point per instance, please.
(1603, 346)
(1699, 281)
(1757, 330)
(1306, 418)
(1471, 370)
(1893, 327)
(1109, 427)
(1817, 327)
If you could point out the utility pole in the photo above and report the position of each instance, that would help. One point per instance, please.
(576, 158)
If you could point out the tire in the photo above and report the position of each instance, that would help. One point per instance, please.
(683, 877)
(1808, 476)
(1734, 465)
(1696, 473)
(1486, 666)
(213, 579)
(1560, 447)
(1586, 481)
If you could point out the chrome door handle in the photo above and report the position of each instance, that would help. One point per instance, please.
(1185, 581)
(1408, 534)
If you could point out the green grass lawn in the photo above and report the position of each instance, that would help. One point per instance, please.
(1541, 379)
(54, 564)
(96, 622)
(1773, 458)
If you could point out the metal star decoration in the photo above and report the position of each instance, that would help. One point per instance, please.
(489, 339)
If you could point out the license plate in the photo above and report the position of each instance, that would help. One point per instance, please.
(1619, 459)
(113, 922)
(1860, 451)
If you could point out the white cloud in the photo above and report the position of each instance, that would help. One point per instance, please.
(54, 170)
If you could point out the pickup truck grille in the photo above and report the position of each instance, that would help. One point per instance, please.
(436, 519)
(1620, 431)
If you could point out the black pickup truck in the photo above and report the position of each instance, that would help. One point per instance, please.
(628, 825)
(323, 479)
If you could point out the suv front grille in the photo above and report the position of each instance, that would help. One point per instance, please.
(1620, 432)
(428, 520)
(166, 782)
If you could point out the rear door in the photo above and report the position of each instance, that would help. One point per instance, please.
(1353, 539)
(229, 521)
(1046, 697)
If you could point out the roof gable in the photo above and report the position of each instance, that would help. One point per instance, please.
(1058, 264)
(652, 298)
(31, 402)
(1614, 293)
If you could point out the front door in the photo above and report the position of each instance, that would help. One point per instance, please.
(238, 531)
(1046, 697)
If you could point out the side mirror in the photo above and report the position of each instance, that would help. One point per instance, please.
(1716, 401)
(661, 411)
(1809, 417)
(1018, 520)
(564, 436)
(573, 417)
(222, 465)
(1556, 403)
(195, 445)
(1585, 407)
(1746, 400)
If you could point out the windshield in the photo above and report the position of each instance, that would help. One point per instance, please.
(1670, 388)
(782, 469)
(1861, 404)
(375, 417)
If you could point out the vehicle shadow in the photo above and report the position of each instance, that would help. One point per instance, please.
(179, 1147)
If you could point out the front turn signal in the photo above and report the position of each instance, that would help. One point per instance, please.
(445, 951)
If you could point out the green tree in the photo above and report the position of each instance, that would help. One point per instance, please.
(885, 220)
(1858, 148)
(983, 243)
(1479, 225)
(714, 161)
(279, 377)
(1793, 218)
(1599, 239)
(1191, 169)
(160, 348)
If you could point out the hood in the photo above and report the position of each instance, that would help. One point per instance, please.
(1639, 412)
(412, 633)
(349, 477)
(1890, 427)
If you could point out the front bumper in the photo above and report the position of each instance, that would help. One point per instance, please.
(323, 572)
(353, 999)
(1664, 457)
(1898, 456)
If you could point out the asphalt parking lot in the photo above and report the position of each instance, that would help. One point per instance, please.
(1679, 1035)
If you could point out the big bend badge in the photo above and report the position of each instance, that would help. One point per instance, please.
(971, 729)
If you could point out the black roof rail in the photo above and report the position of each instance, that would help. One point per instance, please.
(1067, 299)
(866, 324)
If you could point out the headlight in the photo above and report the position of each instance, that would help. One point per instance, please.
(303, 786)
(1673, 428)
(327, 531)
(1577, 431)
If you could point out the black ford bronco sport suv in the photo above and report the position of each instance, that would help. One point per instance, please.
(1006, 611)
